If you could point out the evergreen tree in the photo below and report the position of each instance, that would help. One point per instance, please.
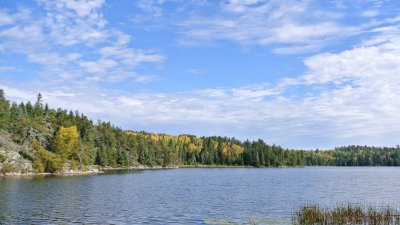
(38, 108)
(4, 111)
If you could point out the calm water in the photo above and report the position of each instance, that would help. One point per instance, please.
(190, 196)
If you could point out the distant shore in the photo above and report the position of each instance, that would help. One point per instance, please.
(139, 168)
(213, 166)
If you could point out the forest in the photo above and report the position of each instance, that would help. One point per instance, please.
(55, 137)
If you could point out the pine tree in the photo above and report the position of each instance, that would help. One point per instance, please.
(2, 95)
(4, 111)
(38, 108)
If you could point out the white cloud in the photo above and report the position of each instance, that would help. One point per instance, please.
(34, 32)
(151, 7)
(146, 78)
(16, 94)
(347, 97)
(7, 68)
(72, 39)
(129, 56)
(83, 8)
(5, 18)
(361, 64)
(100, 66)
(360, 105)
(267, 23)
(284, 27)
(370, 13)
(67, 19)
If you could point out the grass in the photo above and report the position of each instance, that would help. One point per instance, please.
(346, 214)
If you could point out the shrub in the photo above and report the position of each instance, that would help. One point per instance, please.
(46, 161)
(7, 168)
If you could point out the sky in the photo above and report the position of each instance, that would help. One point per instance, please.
(302, 74)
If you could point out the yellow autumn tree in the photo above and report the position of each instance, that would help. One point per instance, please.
(184, 139)
(66, 142)
(237, 149)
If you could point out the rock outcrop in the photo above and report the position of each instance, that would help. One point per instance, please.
(11, 155)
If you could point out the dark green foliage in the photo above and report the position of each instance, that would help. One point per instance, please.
(4, 111)
(38, 108)
(26, 155)
(103, 144)
(122, 159)
(101, 157)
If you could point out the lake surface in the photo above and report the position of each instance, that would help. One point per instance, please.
(191, 196)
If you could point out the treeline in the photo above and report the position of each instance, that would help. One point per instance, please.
(366, 156)
(57, 137)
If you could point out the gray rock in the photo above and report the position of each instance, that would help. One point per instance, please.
(10, 154)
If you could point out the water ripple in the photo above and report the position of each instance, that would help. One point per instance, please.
(191, 196)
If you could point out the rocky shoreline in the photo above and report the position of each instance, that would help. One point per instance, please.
(92, 170)
(63, 173)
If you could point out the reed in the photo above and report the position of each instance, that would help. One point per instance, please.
(346, 214)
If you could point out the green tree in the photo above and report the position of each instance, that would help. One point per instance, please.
(38, 108)
(4, 111)
(46, 161)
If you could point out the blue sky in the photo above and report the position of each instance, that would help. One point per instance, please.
(301, 74)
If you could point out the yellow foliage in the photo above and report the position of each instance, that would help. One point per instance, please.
(184, 139)
(66, 142)
(25, 121)
(154, 137)
(237, 149)
(215, 145)
(191, 147)
(325, 155)
(230, 149)
(224, 149)
(68, 133)
(167, 137)
(133, 134)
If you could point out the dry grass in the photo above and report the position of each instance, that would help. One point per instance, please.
(346, 214)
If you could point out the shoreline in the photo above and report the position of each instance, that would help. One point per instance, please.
(94, 170)
(139, 168)
(63, 173)
(216, 166)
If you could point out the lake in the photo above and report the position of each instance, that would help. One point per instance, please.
(191, 195)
